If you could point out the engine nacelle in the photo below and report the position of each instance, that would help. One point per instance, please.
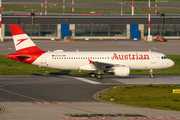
(87, 67)
(121, 71)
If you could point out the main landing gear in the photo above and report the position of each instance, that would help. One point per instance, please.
(151, 73)
(93, 75)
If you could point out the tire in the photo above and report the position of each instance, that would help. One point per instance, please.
(151, 76)
(99, 76)
(92, 75)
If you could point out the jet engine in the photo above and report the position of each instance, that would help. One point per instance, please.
(121, 71)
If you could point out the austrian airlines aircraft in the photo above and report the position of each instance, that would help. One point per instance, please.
(117, 62)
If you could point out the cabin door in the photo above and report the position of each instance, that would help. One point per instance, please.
(153, 58)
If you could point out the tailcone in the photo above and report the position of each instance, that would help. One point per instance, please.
(12, 56)
(25, 57)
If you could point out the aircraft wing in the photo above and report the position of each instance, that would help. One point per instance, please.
(105, 65)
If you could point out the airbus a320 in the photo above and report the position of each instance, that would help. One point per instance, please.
(117, 62)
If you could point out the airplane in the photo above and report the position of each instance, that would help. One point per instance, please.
(117, 62)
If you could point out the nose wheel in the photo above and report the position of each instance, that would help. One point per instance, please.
(151, 73)
(151, 76)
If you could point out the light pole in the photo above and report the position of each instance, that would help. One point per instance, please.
(63, 7)
(45, 7)
(156, 7)
(132, 7)
(121, 8)
(149, 37)
(72, 7)
(41, 7)
(32, 17)
(1, 37)
(162, 22)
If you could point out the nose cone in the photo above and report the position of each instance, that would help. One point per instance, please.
(170, 63)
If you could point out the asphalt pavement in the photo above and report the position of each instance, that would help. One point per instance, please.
(168, 48)
(65, 97)
(76, 97)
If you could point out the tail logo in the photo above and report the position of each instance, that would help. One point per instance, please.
(21, 40)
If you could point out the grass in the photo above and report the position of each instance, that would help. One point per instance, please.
(11, 67)
(84, 9)
(152, 96)
(160, 2)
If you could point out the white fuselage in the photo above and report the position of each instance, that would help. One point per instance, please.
(74, 60)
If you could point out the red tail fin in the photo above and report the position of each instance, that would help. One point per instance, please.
(22, 42)
(27, 51)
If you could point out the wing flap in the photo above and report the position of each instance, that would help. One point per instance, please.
(105, 65)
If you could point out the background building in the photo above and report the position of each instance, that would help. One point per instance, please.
(94, 27)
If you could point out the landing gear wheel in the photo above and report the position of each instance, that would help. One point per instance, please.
(92, 75)
(151, 73)
(151, 76)
(99, 76)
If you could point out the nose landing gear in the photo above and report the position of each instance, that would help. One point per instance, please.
(151, 73)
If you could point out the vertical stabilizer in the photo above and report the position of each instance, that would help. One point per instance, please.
(22, 42)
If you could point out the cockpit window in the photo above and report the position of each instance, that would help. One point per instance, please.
(163, 57)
